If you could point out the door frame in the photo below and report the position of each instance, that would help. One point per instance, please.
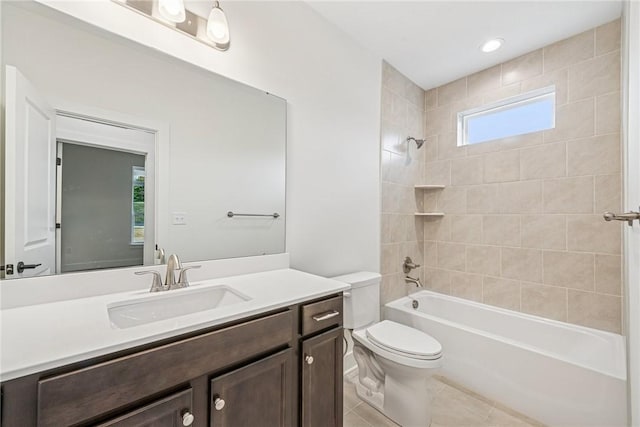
(161, 162)
(631, 178)
(75, 130)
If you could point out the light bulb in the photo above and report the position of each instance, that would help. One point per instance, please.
(217, 25)
(491, 45)
(172, 10)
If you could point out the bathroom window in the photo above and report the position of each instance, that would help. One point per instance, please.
(530, 112)
(137, 206)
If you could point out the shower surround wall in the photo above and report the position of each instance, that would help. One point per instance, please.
(402, 167)
(523, 225)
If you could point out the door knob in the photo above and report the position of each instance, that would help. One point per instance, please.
(218, 403)
(627, 216)
(308, 359)
(22, 266)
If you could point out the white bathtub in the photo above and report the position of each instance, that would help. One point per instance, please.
(554, 372)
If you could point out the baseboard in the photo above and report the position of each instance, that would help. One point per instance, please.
(351, 373)
(349, 363)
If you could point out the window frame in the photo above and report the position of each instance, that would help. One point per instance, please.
(501, 105)
(137, 169)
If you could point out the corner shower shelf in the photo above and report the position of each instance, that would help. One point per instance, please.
(428, 187)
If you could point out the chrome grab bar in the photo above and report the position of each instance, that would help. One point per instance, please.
(325, 316)
(231, 214)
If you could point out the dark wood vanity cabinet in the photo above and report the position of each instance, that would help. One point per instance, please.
(321, 363)
(253, 372)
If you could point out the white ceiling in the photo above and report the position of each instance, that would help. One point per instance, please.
(435, 42)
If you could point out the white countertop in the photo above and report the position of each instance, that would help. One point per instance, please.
(35, 338)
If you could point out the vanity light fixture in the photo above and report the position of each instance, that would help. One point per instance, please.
(491, 45)
(212, 31)
(218, 27)
(172, 10)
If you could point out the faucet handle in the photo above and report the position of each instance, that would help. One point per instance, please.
(156, 284)
(409, 265)
(183, 282)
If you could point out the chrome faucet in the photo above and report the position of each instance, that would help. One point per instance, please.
(407, 266)
(416, 282)
(173, 265)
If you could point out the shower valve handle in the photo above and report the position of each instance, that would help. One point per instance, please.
(409, 265)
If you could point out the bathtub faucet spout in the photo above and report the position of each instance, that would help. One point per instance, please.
(416, 282)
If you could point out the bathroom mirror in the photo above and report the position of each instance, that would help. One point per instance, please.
(151, 151)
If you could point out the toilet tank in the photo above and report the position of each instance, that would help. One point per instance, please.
(362, 302)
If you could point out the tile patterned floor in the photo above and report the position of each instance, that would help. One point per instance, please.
(453, 406)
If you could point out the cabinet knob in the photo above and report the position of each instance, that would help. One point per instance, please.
(218, 403)
(308, 359)
(187, 418)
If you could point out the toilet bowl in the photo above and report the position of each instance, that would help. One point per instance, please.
(395, 362)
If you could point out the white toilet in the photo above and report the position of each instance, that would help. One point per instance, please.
(394, 361)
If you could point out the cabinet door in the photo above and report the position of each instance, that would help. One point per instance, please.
(172, 411)
(322, 380)
(259, 394)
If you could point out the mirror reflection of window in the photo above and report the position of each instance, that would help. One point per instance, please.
(137, 205)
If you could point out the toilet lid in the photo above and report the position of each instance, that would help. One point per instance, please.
(404, 340)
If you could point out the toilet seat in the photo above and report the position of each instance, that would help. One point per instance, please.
(402, 358)
(404, 340)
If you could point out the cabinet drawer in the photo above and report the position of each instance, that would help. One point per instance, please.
(321, 315)
(167, 412)
(80, 395)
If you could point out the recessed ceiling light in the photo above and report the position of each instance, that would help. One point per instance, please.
(491, 45)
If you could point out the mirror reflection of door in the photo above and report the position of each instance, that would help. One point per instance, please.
(102, 208)
(89, 207)
(30, 180)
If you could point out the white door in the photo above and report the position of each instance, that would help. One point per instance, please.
(29, 180)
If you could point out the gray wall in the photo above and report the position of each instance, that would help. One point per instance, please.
(96, 208)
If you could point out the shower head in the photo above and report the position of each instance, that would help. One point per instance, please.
(419, 142)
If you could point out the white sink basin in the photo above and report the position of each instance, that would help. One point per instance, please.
(170, 304)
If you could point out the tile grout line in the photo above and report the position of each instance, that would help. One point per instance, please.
(363, 420)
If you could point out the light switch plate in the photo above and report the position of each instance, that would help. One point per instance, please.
(179, 218)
